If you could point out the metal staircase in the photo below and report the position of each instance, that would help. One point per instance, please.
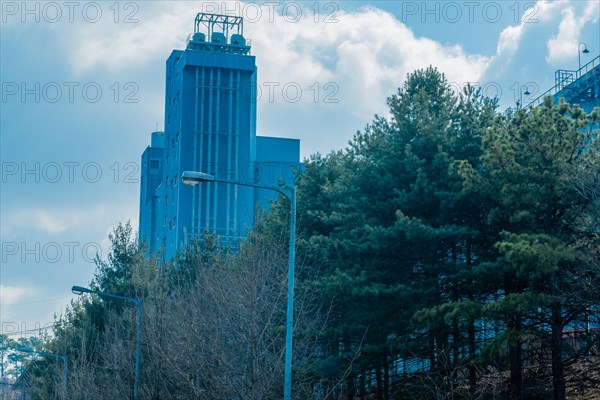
(581, 86)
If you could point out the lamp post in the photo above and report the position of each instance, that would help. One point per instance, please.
(521, 93)
(65, 358)
(585, 51)
(193, 178)
(138, 303)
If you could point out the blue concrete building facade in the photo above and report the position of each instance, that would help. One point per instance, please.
(151, 176)
(210, 126)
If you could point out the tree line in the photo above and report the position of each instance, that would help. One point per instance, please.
(448, 252)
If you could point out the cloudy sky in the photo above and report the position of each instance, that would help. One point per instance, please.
(83, 87)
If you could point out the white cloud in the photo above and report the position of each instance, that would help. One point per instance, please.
(369, 52)
(23, 311)
(52, 221)
(60, 220)
(366, 53)
(561, 46)
(520, 55)
(513, 38)
(12, 294)
(510, 39)
(37, 219)
(122, 46)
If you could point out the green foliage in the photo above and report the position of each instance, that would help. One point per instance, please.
(114, 275)
(447, 245)
(448, 229)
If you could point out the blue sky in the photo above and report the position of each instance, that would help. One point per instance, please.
(83, 86)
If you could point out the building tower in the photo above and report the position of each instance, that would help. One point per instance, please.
(210, 126)
(151, 171)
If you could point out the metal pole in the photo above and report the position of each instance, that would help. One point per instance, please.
(138, 303)
(195, 177)
(287, 388)
(585, 51)
(66, 376)
(138, 351)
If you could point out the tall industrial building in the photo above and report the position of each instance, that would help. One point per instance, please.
(210, 126)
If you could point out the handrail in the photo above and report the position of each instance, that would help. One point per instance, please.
(589, 67)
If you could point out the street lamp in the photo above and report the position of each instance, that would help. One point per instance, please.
(521, 93)
(193, 178)
(585, 51)
(65, 358)
(78, 290)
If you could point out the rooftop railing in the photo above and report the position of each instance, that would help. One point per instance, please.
(565, 79)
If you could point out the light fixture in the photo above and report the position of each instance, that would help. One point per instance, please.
(78, 290)
(579, 51)
(193, 178)
(138, 303)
